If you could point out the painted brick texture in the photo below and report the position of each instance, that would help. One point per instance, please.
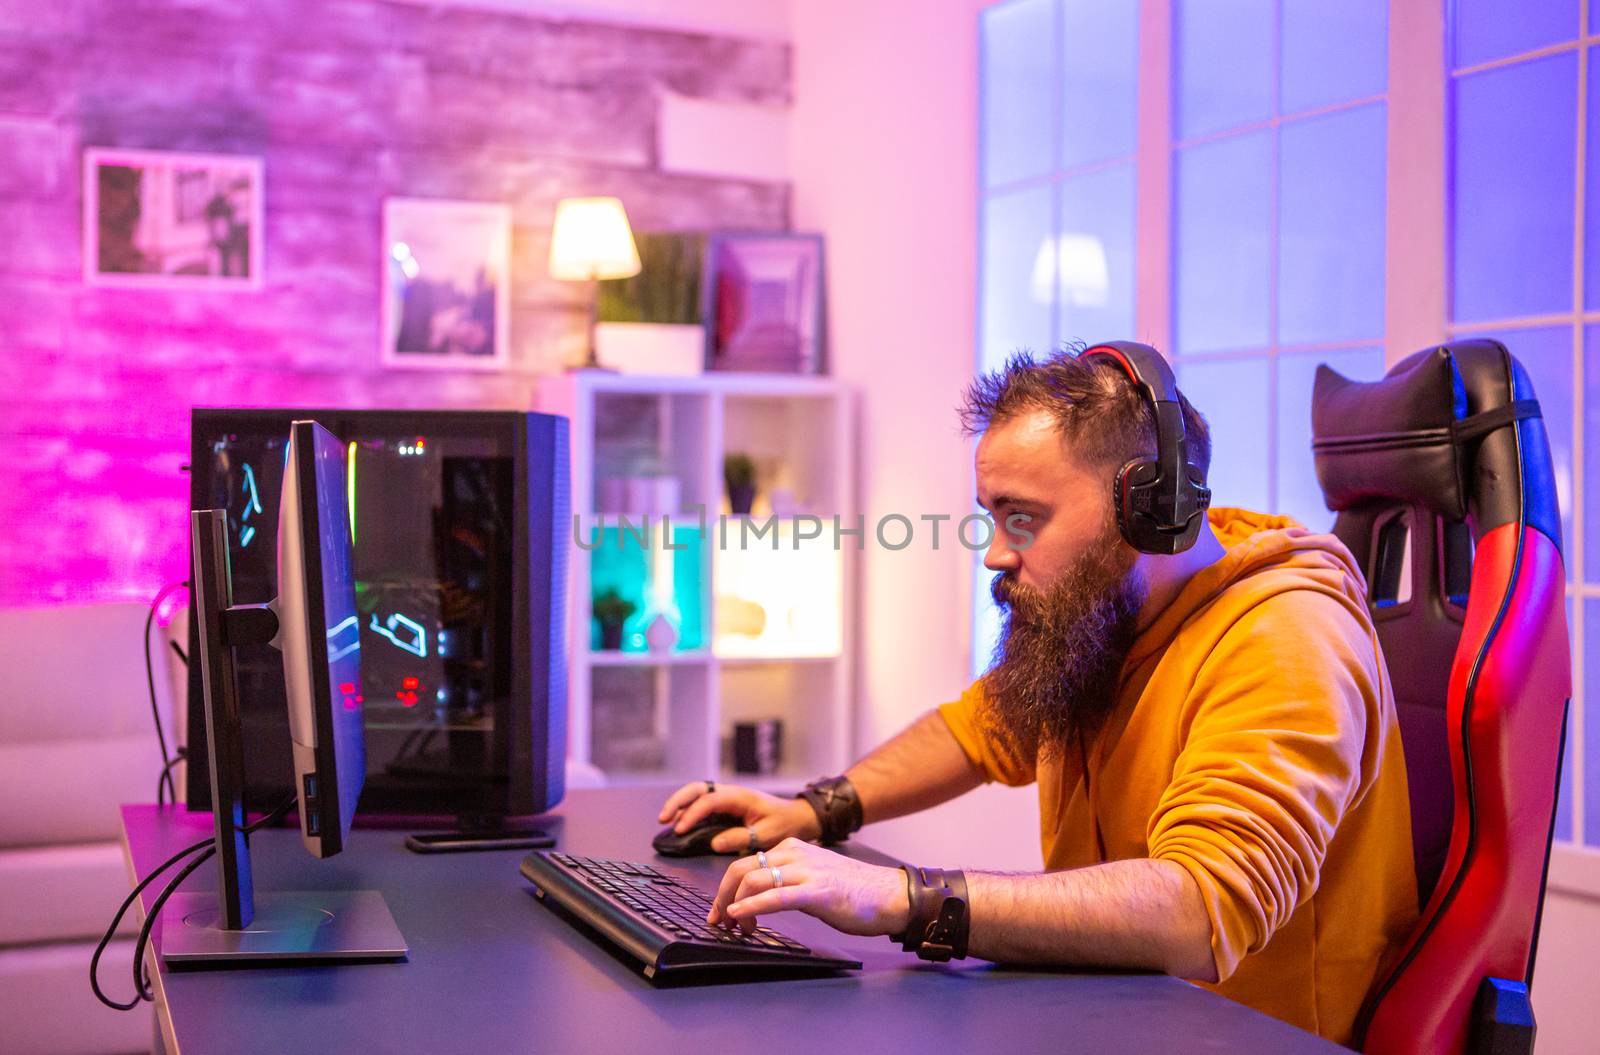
(347, 103)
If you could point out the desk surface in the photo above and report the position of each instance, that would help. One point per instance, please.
(493, 970)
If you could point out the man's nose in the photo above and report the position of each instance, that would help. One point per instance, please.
(1000, 556)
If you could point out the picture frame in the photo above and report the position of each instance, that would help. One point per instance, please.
(763, 302)
(155, 218)
(446, 284)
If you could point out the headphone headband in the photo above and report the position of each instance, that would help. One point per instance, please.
(1160, 502)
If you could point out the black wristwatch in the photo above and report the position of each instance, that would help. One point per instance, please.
(939, 914)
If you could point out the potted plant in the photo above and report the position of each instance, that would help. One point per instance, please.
(650, 323)
(612, 610)
(739, 473)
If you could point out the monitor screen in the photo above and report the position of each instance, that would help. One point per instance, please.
(339, 626)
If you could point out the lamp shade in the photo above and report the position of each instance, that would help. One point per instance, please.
(592, 240)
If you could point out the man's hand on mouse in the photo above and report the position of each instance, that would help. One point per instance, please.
(773, 819)
(847, 894)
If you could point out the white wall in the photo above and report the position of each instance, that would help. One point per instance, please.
(884, 154)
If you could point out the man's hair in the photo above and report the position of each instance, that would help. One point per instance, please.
(1102, 419)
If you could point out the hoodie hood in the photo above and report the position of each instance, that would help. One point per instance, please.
(1265, 555)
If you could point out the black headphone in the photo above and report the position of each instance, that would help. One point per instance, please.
(1161, 501)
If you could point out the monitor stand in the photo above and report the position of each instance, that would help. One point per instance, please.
(234, 925)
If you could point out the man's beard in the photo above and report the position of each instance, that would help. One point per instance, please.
(1054, 679)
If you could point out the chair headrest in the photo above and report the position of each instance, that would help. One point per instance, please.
(1453, 429)
(1391, 439)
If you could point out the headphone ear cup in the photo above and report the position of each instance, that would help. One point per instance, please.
(1129, 494)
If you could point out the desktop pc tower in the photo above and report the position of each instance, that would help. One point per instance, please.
(459, 521)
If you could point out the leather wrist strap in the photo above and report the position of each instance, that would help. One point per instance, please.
(939, 916)
(837, 807)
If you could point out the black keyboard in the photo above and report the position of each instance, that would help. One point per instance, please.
(661, 922)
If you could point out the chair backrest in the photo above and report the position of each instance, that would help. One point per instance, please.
(1441, 477)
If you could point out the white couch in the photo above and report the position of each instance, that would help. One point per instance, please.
(76, 740)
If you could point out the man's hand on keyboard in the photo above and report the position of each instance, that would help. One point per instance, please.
(851, 896)
(773, 819)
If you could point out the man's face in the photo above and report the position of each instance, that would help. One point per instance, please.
(1070, 600)
(1025, 478)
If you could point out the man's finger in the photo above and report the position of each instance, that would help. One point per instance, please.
(730, 882)
(782, 899)
(731, 800)
(681, 798)
(737, 840)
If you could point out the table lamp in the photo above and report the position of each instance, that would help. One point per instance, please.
(590, 241)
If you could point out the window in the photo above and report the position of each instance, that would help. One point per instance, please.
(1524, 268)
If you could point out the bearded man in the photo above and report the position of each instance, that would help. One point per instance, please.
(1212, 733)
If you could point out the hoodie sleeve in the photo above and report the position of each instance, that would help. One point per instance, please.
(1281, 739)
(997, 760)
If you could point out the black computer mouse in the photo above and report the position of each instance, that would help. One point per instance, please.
(696, 842)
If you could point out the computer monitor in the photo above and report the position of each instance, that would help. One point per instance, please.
(313, 622)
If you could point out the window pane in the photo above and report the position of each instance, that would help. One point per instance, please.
(1591, 727)
(1094, 256)
(1223, 194)
(1299, 494)
(985, 617)
(1100, 78)
(1591, 462)
(1333, 52)
(1014, 313)
(1493, 29)
(1223, 58)
(1513, 168)
(1591, 188)
(1017, 71)
(1546, 353)
(1232, 396)
(1331, 227)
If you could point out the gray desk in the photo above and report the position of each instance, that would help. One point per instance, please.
(492, 970)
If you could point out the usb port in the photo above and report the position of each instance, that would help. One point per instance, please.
(313, 827)
(311, 787)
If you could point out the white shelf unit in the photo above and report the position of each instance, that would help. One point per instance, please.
(774, 621)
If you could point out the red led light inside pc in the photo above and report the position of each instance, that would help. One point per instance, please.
(410, 683)
(407, 699)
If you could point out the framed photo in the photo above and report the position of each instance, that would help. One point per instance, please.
(154, 218)
(763, 303)
(446, 287)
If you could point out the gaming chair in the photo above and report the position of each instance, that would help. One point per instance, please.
(1441, 477)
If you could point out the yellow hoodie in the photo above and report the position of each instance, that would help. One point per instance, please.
(1255, 743)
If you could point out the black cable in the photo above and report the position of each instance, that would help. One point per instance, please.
(164, 782)
(141, 972)
(181, 754)
(141, 987)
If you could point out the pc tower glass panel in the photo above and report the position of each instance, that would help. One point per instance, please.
(433, 516)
